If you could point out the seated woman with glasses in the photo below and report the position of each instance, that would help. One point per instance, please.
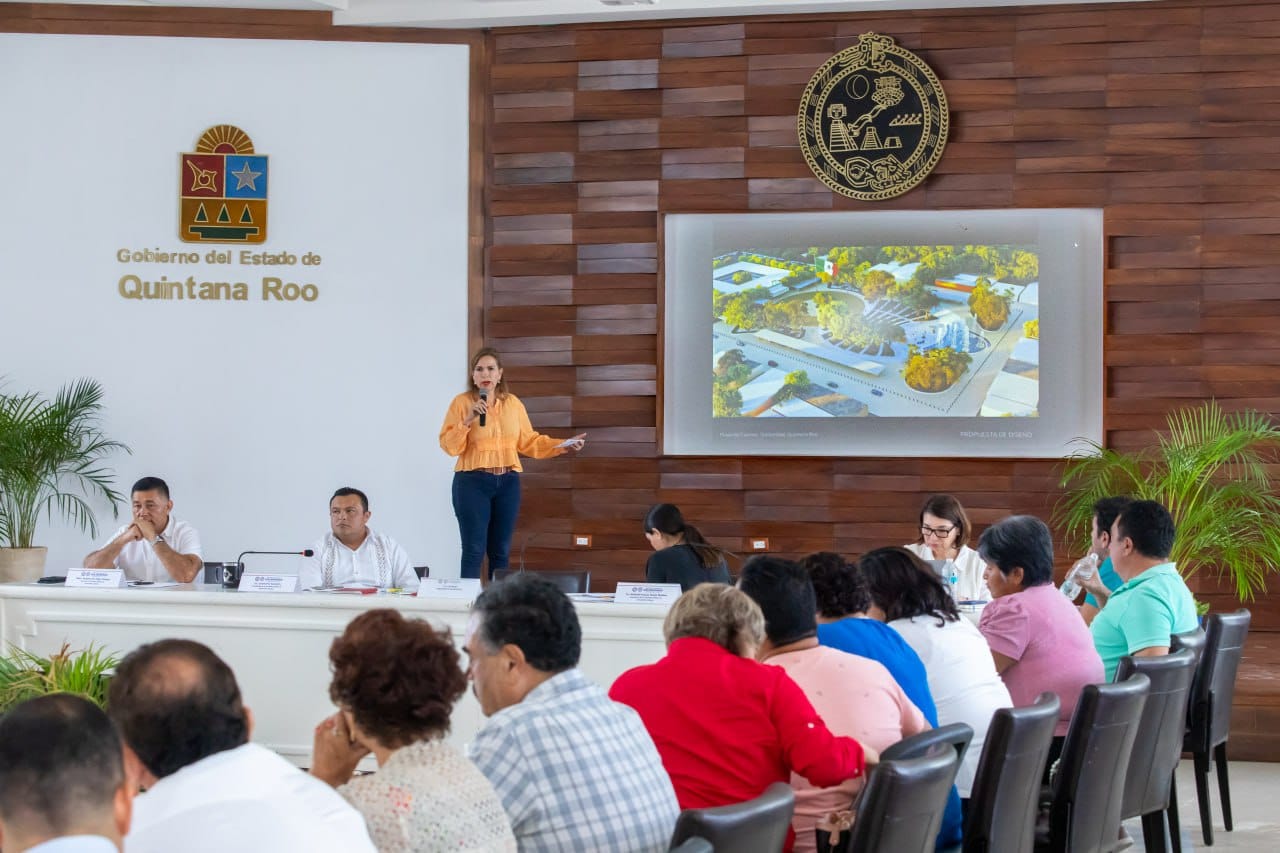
(944, 535)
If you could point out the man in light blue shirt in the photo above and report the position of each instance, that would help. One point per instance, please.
(62, 781)
(1154, 602)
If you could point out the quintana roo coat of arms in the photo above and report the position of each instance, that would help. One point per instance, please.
(223, 189)
(873, 120)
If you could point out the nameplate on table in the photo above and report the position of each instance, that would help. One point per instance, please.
(254, 582)
(463, 589)
(96, 578)
(664, 594)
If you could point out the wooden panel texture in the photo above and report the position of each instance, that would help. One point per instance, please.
(1159, 113)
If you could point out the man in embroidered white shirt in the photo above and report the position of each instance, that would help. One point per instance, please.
(154, 546)
(354, 553)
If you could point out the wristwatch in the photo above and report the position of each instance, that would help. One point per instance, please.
(159, 538)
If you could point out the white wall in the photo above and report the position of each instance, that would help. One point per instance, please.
(252, 411)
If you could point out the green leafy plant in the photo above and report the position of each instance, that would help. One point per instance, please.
(1210, 469)
(51, 454)
(25, 675)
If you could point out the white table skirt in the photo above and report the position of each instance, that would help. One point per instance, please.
(278, 644)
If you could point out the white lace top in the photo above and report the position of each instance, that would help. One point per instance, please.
(429, 797)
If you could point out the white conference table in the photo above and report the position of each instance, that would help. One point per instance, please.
(278, 643)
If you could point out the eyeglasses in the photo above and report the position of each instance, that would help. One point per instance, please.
(940, 532)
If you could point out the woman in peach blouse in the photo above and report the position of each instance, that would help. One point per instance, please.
(488, 429)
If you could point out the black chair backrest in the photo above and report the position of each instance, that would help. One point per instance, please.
(1215, 686)
(900, 808)
(567, 581)
(1087, 792)
(1006, 790)
(694, 845)
(756, 826)
(958, 735)
(1157, 747)
(1193, 640)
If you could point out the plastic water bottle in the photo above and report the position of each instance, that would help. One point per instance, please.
(1082, 570)
(953, 580)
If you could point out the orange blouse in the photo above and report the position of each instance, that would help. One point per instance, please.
(507, 434)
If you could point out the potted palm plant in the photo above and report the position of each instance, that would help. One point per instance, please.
(1210, 469)
(51, 454)
(25, 675)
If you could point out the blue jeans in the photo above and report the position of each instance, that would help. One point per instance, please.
(486, 506)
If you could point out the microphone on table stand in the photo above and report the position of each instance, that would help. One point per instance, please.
(240, 561)
(304, 553)
(484, 395)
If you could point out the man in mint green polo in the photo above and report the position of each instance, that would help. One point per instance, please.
(1153, 602)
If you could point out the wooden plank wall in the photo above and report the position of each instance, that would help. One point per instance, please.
(1163, 114)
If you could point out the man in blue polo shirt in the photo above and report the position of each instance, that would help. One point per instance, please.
(1105, 580)
(1153, 602)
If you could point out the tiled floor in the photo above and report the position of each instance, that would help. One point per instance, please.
(1255, 806)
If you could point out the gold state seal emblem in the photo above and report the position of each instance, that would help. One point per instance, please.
(873, 120)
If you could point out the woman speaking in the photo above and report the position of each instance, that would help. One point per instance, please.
(488, 429)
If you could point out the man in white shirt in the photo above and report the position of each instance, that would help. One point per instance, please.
(354, 553)
(154, 546)
(208, 790)
(62, 783)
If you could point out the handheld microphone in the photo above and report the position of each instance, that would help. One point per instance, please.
(484, 395)
(307, 553)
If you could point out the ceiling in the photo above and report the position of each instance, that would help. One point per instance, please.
(511, 13)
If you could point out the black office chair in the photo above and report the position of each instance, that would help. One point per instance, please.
(694, 845)
(756, 826)
(1209, 715)
(957, 735)
(1006, 789)
(900, 808)
(569, 582)
(1193, 640)
(1087, 791)
(1157, 748)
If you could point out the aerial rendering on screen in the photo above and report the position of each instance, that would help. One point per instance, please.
(876, 331)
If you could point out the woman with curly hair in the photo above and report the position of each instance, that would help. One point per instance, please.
(395, 682)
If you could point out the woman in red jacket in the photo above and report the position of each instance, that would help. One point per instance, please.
(725, 725)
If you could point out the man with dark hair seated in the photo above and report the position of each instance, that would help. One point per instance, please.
(855, 696)
(353, 552)
(186, 736)
(1154, 601)
(61, 777)
(153, 546)
(574, 770)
